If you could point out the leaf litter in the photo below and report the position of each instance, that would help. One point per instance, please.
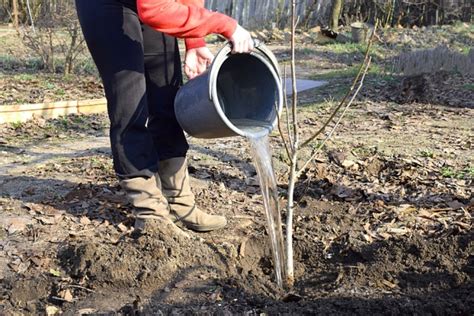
(377, 222)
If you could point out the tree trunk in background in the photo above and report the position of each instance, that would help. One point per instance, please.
(258, 14)
(15, 13)
(336, 13)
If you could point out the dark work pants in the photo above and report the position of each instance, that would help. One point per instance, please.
(141, 72)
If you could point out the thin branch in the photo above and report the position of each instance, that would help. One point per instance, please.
(316, 150)
(288, 125)
(280, 130)
(61, 299)
(346, 96)
(80, 287)
(290, 278)
(294, 96)
(30, 15)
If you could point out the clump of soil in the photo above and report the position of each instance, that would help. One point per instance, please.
(162, 263)
(439, 88)
(167, 274)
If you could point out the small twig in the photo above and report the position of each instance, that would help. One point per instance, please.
(80, 287)
(317, 149)
(280, 129)
(244, 217)
(294, 96)
(288, 125)
(61, 299)
(31, 16)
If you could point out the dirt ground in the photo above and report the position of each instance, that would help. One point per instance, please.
(383, 223)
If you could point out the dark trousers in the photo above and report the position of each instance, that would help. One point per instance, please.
(141, 72)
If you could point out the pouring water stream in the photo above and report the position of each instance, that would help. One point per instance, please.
(262, 158)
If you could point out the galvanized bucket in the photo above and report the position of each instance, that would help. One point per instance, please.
(361, 32)
(240, 94)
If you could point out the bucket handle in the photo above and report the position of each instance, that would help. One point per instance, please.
(227, 49)
(268, 54)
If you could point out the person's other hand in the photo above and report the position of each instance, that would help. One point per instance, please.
(242, 41)
(196, 61)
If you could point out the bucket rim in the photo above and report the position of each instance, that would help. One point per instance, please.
(216, 65)
(359, 25)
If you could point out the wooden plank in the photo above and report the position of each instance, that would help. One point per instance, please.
(24, 112)
(92, 106)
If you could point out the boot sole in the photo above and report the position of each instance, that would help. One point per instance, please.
(202, 229)
(196, 228)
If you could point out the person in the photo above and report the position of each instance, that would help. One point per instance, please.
(134, 46)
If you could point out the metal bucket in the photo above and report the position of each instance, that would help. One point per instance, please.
(359, 32)
(240, 94)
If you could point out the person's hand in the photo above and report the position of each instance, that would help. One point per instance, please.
(242, 41)
(196, 61)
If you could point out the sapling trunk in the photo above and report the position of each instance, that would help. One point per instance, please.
(292, 147)
(294, 154)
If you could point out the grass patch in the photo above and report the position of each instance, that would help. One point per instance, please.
(9, 63)
(306, 51)
(16, 125)
(468, 86)
(364, 152)
(321, 106)
(49, 85)
(466, 173)
(427, 154)
(86, 66)
(12, 65)
(346, 48)
(463, 28)
(25, 77)
(465, 50)
(355, 48)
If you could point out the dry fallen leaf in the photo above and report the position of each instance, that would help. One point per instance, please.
(66, 295)
(122, 227)
(389, 284)
(52, 310)
(86, 311)
(84, 220)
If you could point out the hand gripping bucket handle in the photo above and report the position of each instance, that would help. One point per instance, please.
(240, 94)
(225, 51)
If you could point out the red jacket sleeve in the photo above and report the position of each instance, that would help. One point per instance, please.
(185, 19)
(194, 42)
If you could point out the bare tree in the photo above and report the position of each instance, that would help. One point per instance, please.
(291, 139)
(336, 13)
(72, 45)
(15, 13)
(57, 37)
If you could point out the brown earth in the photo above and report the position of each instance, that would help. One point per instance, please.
(382, 231)
(383, 223)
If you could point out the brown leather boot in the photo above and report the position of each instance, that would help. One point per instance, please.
(177, 190)
(151, 209)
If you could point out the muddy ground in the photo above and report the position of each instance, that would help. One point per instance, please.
(383, 223)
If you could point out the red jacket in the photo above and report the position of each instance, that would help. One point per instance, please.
(186, 19)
